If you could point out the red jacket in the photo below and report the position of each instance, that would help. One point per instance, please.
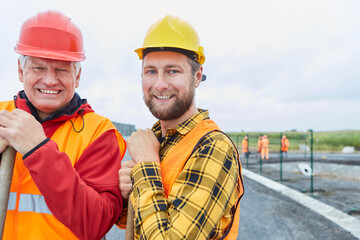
(81, 191)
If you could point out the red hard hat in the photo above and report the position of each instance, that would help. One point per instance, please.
(51, 35)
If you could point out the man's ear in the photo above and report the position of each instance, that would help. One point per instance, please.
(20, 72)
(77, 80)
(198, 76)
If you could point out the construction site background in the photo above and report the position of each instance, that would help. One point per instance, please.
(331, 141)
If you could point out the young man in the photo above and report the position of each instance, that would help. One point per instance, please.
(65, 180)
(186, 173)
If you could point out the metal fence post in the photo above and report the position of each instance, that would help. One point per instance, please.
(281, 157)
(311, 160)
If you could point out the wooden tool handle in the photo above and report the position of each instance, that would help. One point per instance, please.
(129, 233)
(6, 172)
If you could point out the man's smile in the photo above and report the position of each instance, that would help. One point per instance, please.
(49, 91)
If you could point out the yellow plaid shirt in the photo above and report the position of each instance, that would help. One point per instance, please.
(201, 206)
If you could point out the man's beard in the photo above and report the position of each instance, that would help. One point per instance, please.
(175, 111)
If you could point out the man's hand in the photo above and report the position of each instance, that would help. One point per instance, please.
(143, 146)
(3, 144)
(21, 130)
(125, 183)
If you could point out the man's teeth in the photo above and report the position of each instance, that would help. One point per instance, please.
(163, 97)
(49, 91)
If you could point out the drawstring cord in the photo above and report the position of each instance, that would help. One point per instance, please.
(79, 112)
(82, 117)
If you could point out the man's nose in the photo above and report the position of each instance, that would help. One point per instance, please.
(161, 82)
(50, 78)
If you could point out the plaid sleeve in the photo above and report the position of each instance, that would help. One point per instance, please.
(202, 194)
(149, 201)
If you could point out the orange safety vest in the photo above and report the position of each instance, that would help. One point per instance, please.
(284, 145)
(174, 162)
(28, 216)
(259, 144)
(265, 143)
(244, 144)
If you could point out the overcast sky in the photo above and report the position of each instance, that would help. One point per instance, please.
(270, 65)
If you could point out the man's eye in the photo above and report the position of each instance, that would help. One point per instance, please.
(173, 71)
(38, 68)
(61, 70)
(150, 72)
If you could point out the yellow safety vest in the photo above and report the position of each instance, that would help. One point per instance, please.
(28, 216)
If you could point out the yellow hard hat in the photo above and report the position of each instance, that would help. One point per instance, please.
(172, 33)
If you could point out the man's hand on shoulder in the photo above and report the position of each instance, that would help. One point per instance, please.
(143, 146)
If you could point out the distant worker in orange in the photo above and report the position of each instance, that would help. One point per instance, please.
(284, 146)
(245, 146)
(259, 144)
(265, 148)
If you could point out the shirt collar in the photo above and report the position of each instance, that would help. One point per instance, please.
(22, 102)
(186, 126)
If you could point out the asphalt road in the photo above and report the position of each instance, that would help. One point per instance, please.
(266, 214)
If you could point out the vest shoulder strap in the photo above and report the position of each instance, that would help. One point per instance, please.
(174, 161)
(176, 158)
(74, 143)
(7, 105)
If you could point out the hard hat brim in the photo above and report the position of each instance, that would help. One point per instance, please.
(56, 55)
(200, 55)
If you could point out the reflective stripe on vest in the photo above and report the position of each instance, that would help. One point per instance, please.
(12, 201)
(33, 203)
(173, 163)
(29, 203)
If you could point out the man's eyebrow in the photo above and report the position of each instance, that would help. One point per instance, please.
(149, 66)
(166, 66)
(173, 65)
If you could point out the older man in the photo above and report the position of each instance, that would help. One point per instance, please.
(65, 182)
(186, 173)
